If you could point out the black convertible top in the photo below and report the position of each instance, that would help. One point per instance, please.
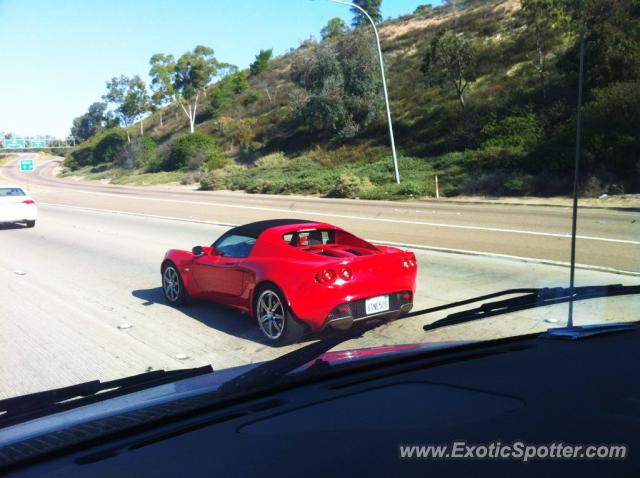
(254, 229)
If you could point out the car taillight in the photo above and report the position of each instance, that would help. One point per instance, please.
(28, 201)
(406, 296)
(408, 262)
(346, 273)
(328, 276)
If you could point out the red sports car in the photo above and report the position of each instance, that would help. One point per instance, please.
(294, 276)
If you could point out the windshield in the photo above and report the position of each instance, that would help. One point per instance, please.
(372, 185)
(6, 192)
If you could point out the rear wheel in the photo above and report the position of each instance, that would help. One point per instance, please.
(172, 285)
(30, 223)
(276, 321)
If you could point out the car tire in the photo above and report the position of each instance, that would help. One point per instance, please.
(30, 223)
(275, 319)
(172, 285)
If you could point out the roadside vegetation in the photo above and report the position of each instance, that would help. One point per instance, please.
(483, 95)
(5, 158)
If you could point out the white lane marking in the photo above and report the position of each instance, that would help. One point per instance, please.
(364, 218)
(390, 243)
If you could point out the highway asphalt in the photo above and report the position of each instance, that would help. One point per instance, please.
(80, 295)
(607, 238)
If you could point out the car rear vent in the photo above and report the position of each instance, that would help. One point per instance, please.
(357, 252)
(328, 254)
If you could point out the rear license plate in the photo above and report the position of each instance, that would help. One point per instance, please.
(375, 305)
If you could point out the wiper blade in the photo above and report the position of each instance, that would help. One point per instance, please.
(27, 407)
(265, 375)
(534, 298)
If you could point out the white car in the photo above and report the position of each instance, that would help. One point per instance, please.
(17, 206)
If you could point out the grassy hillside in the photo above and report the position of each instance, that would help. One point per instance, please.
(514, 135)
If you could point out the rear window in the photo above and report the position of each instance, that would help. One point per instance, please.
(310, 237)
(4, 192)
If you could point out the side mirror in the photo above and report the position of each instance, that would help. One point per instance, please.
(197, 251)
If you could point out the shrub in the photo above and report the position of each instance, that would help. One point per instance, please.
(253, 95)
(514, 132)
(213, 180)
(492, 158)
(109, 146)
(191, 178)
(348, 186)
(593, 187)
(520, 184)
(612, 117)
(102, 148)
(499, 183)
(412, 188)
(75, 160)
(230, 177)
(273, 160)
(191, 151)
(139, 153)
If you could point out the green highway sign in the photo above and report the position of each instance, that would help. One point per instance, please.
(38, 143)
(15, 143)
(27, 165)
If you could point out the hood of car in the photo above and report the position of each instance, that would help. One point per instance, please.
(182, 389)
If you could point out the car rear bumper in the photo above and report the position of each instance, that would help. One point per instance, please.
(345, 315)
(18, 212)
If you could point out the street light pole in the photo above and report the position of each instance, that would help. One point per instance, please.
(384, 85)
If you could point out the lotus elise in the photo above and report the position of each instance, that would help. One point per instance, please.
(294, 277)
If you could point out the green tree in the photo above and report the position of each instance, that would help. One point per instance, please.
(261, 62)
(372, 7)
(450, 60)
(340, 87)
(225, 90)
(612, 41)
(544, 19)
(130, 99)
(185, 79)
(425, 9)
(94, 121)
(334, 28)
(162, 92)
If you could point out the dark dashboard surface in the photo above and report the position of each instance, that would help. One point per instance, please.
(532, 389)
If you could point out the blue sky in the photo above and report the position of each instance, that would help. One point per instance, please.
(56, 55)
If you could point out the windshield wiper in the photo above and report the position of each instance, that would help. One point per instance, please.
(27, 407)
(534, 298)
(266, 375)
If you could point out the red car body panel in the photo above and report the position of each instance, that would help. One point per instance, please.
(376, 270)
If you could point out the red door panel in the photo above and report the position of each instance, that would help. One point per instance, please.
(218, 276)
